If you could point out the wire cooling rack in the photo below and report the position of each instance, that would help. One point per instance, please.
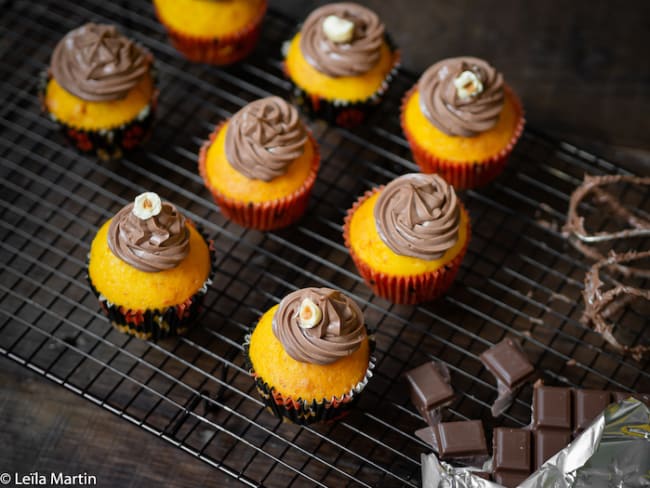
(519, 277)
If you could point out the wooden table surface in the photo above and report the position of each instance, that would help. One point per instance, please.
(582, 70)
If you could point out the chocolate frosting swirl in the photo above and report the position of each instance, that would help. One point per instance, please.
(155, 244)
(96, 63)
(339, 333)
(418, 215)
(447, 111)
(342, 59)
(264, 138)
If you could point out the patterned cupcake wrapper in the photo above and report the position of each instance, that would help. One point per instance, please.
(461, 174)
(110, 143)
(221, 50)
(342, 113)
(270, 215)
(157, 323)
(408, 289)
(304, 412)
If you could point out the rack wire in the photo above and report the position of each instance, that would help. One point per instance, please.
(519, 277)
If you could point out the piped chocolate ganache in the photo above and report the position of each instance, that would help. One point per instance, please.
(264, 138)
(342, 39)
(149, 234)
(418, 215)
(462, 96)
(96, 63)
(319, 325)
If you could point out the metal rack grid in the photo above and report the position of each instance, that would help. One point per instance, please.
(519, 277)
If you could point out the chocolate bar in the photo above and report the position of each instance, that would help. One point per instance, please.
(510, 366)
(559, 413)
(430, 390)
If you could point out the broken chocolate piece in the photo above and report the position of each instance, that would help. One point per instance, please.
(430, 390)
(601, 305)
(461, 439)
(552, 407)
(510, 366)
(638, 225)
(587, 405)
(508, 363)
(549, 442)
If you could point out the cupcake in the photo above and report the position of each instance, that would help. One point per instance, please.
(340, 63)
(408, 238)
(100, 89)
(261, 165)
(310, 355)
(212, 31)
(150, 268)
(462, 121)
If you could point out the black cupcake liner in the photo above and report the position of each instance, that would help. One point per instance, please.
(111, 143)
(303, 412)
(342, 113)
(157, 323)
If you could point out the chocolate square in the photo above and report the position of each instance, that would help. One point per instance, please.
(510, 479)
(508, 363)
(429, 389)
(461, 439)
(511, 449)
(624, 395)
(552, 407)
(587, 405)
(549, 442)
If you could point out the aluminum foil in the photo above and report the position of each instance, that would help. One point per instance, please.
(614, 452)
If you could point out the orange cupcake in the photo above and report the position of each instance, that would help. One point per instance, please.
(340, 63)
(217, 32)
(408, 238)
(150, 268)
(462, 121)
(310, 355)
(100, 89)
(261, 165)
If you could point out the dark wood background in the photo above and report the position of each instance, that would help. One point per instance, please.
(583, 73)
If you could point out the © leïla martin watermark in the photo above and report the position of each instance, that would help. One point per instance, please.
(47, 479)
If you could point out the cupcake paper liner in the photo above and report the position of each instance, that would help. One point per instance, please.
(157, 323)
(304, 412)
(110, 143)
(221, 50)
(342, 113)
(407, 289)
(464, 174)
(270, 215)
